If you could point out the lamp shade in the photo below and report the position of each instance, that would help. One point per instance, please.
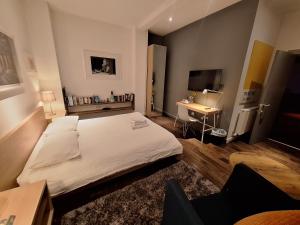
(48, 96)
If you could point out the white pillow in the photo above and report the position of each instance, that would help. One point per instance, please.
(62, 124)
(57, 148)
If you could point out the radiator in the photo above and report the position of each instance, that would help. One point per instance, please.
(245, 120)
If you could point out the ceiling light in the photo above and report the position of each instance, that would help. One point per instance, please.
(170, 19)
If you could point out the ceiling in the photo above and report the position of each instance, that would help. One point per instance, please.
(285, 6)
(153, 14)
(120, 12)
(185, 12)
(146, 14)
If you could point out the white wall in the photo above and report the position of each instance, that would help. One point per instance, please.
(289, 36)
(14, 109)
(140, 43)
(42, 42)
(266, 29)
(73, 35)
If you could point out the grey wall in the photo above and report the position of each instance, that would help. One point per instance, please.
(219, 41)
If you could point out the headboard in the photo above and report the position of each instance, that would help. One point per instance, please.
(17, 145)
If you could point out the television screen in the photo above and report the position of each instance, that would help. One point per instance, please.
(205, 79)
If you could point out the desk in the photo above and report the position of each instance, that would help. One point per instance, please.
(205, 110)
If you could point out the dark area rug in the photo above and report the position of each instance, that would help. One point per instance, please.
(142, 201)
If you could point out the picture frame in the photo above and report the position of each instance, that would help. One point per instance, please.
(102, 65)
(10, 73)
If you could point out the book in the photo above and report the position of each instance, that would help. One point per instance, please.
(80, 100)
(70, 100)
(74, 100)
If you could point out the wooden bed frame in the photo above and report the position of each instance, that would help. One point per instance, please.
(68, 201)
(17, 145)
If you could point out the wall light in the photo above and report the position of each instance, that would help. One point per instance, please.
(170, 19)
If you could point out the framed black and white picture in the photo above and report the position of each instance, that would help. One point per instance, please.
(102, 65)
(10, 82)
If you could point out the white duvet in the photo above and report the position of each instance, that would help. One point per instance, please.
(107, 145)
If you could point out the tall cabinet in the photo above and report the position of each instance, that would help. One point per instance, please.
(155, 79)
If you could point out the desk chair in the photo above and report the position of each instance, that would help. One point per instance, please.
(183, 115)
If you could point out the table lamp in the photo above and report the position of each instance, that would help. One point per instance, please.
(48, 97)
(205, 91)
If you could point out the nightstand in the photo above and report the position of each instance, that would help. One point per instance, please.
(57, 114)
(30, 204)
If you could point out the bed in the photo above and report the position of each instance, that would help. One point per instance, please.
(108, 145)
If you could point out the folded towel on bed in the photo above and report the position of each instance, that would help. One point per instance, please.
(138, 126)
(135, 123)
(138, 122)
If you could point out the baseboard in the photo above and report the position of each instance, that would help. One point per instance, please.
(284, 144)
(158, 110)
(170, 115)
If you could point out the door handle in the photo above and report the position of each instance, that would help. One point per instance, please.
(261, 111)
(264, 105)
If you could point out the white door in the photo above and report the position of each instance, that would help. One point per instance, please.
(271, 96)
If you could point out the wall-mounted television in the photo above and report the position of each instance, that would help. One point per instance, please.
(205, 79)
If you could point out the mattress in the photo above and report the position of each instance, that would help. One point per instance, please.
(108, 145)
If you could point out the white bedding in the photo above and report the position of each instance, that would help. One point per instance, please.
(107, 145)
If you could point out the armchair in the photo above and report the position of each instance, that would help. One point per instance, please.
(244, 194)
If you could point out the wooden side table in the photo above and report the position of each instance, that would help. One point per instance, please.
(30, 204)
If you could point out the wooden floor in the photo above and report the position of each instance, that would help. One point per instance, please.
(278, 165)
